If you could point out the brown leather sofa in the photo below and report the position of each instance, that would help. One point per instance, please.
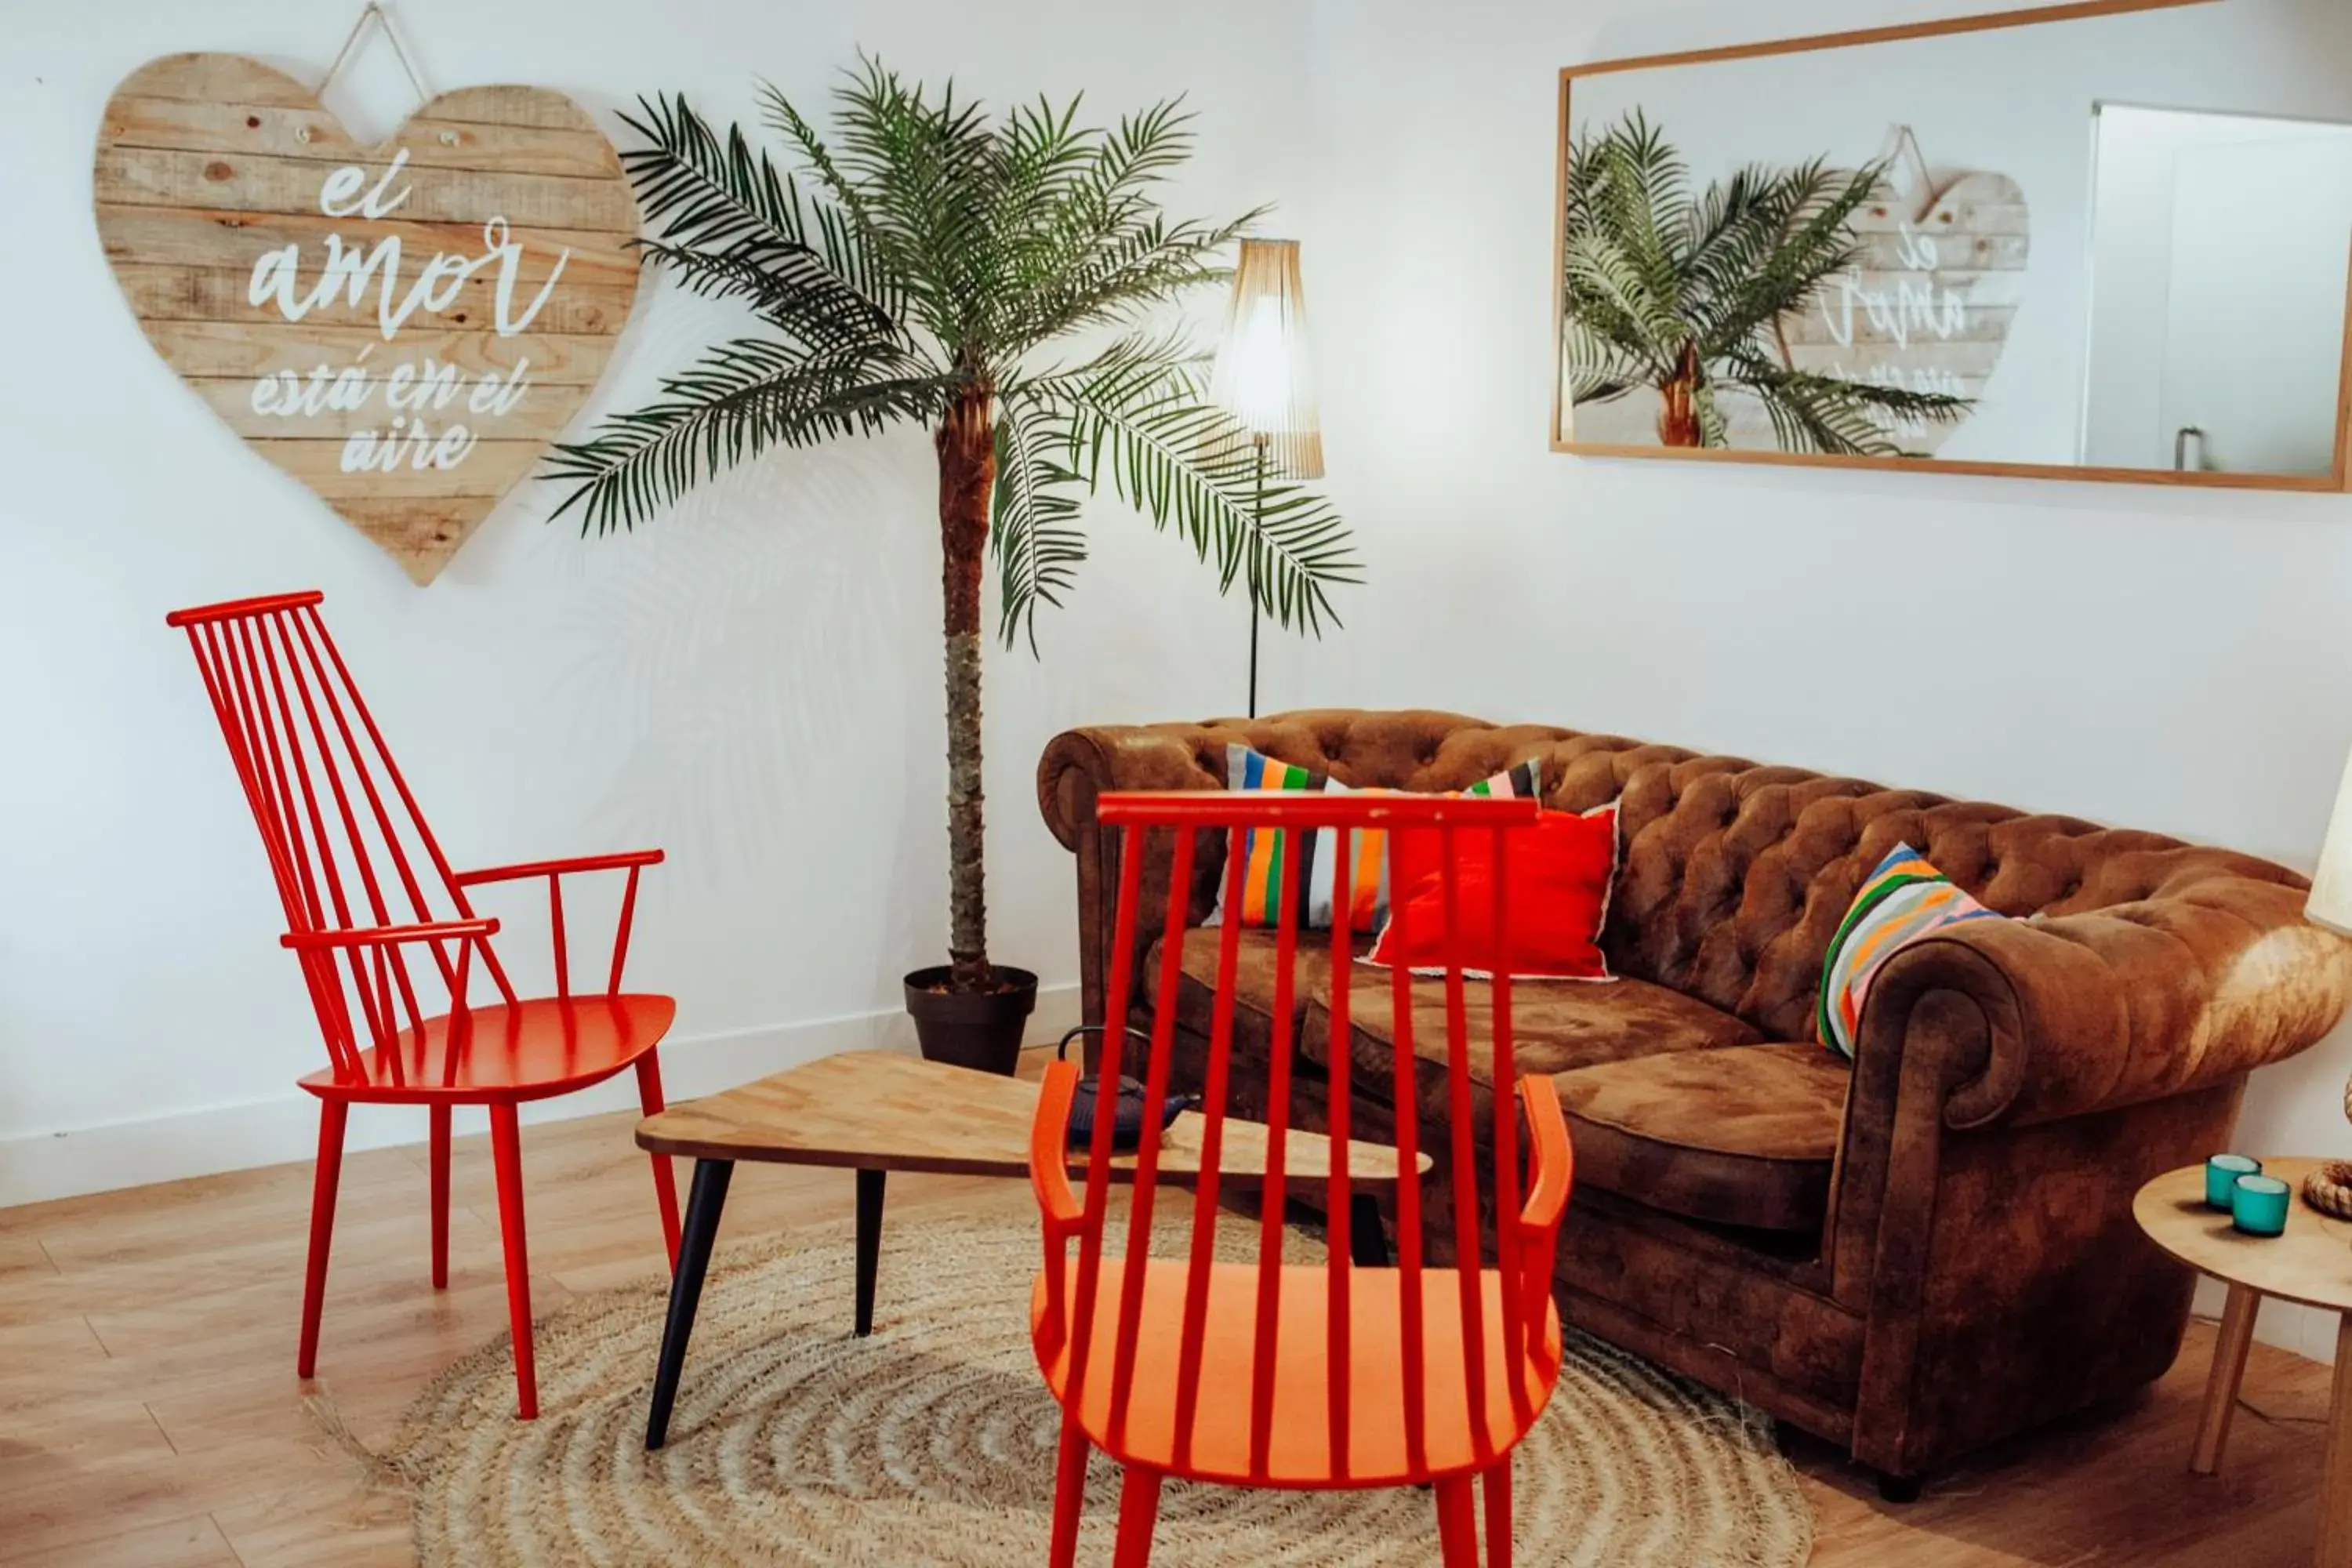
(1910, 1258)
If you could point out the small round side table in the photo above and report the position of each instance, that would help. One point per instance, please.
(2311, 1264)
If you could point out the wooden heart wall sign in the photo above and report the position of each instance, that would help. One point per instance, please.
(1930, 306)
(404, 328)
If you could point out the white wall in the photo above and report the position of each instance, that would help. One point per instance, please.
(752, 682)
(2173, 662)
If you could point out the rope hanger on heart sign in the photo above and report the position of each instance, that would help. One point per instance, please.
(1901, 140)
(373, 11)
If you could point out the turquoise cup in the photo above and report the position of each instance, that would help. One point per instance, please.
(2258, 1206)
(2221, 1174)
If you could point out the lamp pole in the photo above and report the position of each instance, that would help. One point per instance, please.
(1262, 379)
(1257, 516)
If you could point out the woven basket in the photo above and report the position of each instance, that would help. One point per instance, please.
(2329, 1189)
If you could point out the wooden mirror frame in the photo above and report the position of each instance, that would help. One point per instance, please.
(2338, 481)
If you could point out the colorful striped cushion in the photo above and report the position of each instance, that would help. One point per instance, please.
(1263, 847)
(1368, 852)
(1904, 901)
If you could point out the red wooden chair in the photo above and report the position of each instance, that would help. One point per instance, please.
(1262, 1374)
(345, 840)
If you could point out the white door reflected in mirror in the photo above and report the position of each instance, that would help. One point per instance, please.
(2230, 232)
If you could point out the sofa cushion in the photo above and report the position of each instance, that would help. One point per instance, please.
(1556, 1025)
(1744, 1136)
(1264, 849)
(1254, 969)
(1554, 890)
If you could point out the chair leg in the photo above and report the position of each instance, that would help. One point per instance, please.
(1497, 1495)
(324, 1179)
(1138, 1511)
(506, 1153)
(649, 1099)
(440, 1163)
(1069, 1494)
(1457, 1523)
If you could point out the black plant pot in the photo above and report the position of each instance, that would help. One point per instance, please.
(979, 1029)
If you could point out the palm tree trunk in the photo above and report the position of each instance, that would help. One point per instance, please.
(966, 440)
(1678, 422)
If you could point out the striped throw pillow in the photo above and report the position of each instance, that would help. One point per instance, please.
(1905, 899)
(1368, 852)
(1262, 848)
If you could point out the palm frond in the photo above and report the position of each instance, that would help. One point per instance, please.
(1599, 368)
(1618, 300)
(740, 399)
(1146, 422)
(919, 170)
(1817, 244)
(1837, 414)
(1743, 222)
(1034, 522)
(1636, 189)
(1124, 276)
(1713, 429)
(741, 224)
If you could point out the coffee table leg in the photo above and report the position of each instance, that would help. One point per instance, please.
(2222, 1383)
(1368, 1241)
(695, 1237)
(2336, 1479)
(869, 1245)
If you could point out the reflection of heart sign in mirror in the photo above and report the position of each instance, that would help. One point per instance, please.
(403, 329)
(1929, 306)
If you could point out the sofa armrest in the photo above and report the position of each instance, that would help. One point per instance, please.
(2211, 976)
(1081, 764)
(1078, 768)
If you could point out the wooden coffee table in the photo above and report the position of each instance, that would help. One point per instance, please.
(878, 1112)
(2311, 1264)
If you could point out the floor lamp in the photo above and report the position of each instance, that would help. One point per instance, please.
(1263, 379)
(2329, 1188)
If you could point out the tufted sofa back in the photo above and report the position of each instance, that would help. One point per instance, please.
(1733, 877)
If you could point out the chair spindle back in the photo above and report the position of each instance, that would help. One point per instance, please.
(359, 875)
(1523, 1260)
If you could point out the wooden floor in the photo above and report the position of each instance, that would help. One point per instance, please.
(150, 1414)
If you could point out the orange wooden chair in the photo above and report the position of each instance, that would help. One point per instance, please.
(1267, 1375)
(345, 839)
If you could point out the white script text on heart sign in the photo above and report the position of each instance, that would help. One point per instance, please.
(410, 387)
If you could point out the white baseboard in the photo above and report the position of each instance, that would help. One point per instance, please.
(35, 1167)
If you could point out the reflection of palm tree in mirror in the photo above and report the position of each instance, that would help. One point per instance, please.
(1683, 295)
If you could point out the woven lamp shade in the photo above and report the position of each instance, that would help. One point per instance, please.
(1263, 375)
(2330, 903)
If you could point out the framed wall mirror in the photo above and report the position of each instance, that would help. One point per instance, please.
(2109, 240)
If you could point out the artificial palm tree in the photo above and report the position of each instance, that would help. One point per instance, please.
(935, 263)
(1681, 296)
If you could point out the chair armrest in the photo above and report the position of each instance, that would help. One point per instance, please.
(2214, 976)
(623, 860)
(1552, 1160)
(629, 861)
(1049, 1132)
(387, 936)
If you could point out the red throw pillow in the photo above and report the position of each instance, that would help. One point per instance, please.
(1557, 898)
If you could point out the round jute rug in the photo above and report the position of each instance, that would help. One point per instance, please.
(931, 1442)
